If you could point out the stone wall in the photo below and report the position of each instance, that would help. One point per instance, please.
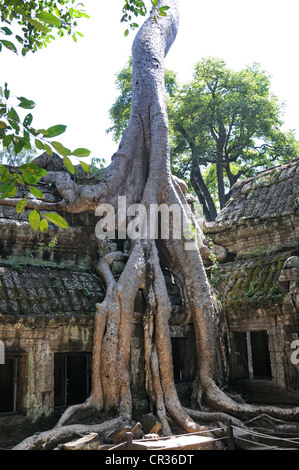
(48, 291)
(258, 282)
(35, 341)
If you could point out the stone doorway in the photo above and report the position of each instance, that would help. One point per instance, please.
(179, 356)
(251, 355)
(9, 377)
(72, 378)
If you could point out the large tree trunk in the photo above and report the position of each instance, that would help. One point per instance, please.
(203, 194)
(140, 170)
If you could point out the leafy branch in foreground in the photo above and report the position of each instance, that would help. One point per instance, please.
(37, 21)
(18, 133)
(24, 179)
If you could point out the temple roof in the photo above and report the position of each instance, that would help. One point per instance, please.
(272, 192)
(35, 290)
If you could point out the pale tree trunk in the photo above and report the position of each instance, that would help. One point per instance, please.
(140, 170)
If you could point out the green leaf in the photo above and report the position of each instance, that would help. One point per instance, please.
(4, 189)
(9, 45)
(19, 38)
(26, 137)
(32, 173)
(81, 152)
(26, 104)
(85, 167)
(7, 140)
(19, 179)
(162, 10)
(36, 192)
(126, 32)
(8, 190)
(21, 205)
(49, 18)
(15, 125)
(54, 131)
(61, 149)
(34, 220)
(56, 219)
(69, 164)
(19, 146)
(6, 30)
(12, 190)
(44, 225)
(11, 2)
(28, 120)
(6, 91)
(41, 27)
(4, 173)
(39, 144)
(12, 114)
(48, 150)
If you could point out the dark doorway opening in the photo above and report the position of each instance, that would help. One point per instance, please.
(9, 374)
(72, 378)
(241, 370)
(252, 356)
(179, 355)
(260, 355)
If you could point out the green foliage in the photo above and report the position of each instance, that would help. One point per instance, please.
(224, 125)
(31, 25)
(229, 123)
(17, 131)
(8, 156)
(135, 8)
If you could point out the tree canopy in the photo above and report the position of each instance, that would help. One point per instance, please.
(230, 123)
(225, 125)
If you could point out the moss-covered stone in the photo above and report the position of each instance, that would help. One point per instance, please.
(253, 281)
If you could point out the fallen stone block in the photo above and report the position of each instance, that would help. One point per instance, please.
(88, 442)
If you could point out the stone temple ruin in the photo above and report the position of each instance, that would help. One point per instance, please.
(48, 292)
(259, 283)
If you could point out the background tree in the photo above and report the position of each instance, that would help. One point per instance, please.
(8, 156)
(229, 123)
(224, 125)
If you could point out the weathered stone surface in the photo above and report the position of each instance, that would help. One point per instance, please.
(119, 435)
(150, 424)
(36, 290)
(262, 212)
(192, 442)
(258, 284)
(89, 442)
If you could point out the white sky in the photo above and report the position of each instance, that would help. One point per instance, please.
(73, 83)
